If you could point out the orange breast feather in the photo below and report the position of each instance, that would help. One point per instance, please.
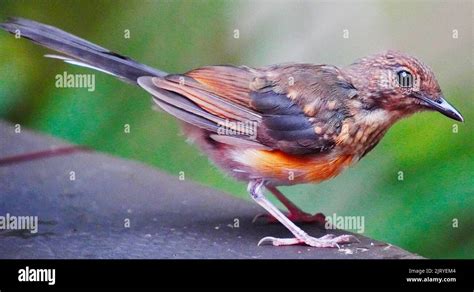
(290, 169)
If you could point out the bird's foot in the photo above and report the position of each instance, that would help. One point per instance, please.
(296, 217)
(328, 240)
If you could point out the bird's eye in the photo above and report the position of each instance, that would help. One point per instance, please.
(405, 79)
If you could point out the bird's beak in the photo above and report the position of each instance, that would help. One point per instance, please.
(442, 106)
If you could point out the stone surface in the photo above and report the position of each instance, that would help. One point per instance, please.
(86, 217)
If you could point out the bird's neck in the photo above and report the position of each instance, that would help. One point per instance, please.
(366, 128)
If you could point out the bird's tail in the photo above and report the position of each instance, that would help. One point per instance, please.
(78, 51)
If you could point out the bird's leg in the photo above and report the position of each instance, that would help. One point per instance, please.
(295, 214)
(255, 189)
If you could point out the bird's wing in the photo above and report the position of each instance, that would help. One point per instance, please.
(296, 109)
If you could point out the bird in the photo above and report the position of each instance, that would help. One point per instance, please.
(276, 125)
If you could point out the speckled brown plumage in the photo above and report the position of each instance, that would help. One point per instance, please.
(306, 115)
(277, 125)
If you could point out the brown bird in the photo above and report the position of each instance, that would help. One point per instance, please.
(277, 125)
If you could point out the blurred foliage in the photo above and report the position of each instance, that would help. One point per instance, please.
(175, 36)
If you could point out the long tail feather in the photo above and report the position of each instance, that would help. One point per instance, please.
(79, 51)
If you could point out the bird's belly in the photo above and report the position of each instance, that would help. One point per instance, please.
(281, 168)
(276, 167)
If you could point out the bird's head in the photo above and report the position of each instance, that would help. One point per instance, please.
(400, 84)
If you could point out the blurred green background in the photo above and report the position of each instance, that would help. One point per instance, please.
(416, 213)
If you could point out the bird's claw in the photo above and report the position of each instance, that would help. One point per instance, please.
(328, 240)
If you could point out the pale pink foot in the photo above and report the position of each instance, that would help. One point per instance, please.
(328, 240)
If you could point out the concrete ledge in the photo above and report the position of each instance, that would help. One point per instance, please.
(86, 217)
